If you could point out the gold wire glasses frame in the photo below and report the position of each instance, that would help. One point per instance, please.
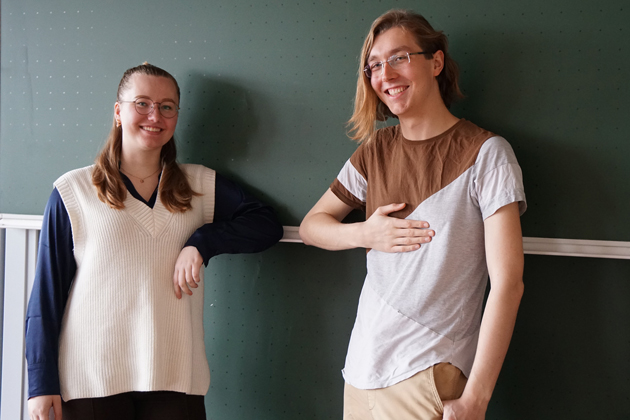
(394, 62)
(144, 106)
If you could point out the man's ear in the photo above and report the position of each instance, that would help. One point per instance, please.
(438, 62)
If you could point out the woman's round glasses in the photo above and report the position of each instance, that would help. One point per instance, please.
(144, 106)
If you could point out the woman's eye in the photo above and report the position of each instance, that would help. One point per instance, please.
(375, 66)
(142, 104)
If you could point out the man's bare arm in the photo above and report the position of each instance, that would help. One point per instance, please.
(322, 227)
(504, 255)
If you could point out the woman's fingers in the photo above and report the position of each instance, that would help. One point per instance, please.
(187, 268)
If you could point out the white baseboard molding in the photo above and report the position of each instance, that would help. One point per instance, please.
(292, 235)
(577, 248)
(534, 246)
(20, 221)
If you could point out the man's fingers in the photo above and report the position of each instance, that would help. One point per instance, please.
(412, 240)
(414, 232)
(405, 248)
(409, 243)
(410, 224)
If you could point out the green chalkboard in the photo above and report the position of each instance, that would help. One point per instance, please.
(268, 87)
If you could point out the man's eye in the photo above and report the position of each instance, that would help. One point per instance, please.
(397, 58)
(376, 66)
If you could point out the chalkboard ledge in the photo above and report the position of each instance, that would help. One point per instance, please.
(533, 246)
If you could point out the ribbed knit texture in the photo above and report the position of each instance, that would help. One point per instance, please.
(123, 328)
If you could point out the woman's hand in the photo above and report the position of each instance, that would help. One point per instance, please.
(390, 234)
(39, 407)
(187, 268)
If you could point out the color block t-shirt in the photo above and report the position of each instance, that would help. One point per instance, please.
(423, 307)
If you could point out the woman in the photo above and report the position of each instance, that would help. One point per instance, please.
(108, 331)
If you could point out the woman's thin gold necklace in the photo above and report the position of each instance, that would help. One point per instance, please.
(137, 177)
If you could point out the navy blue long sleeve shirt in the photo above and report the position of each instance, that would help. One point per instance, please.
(242, 224)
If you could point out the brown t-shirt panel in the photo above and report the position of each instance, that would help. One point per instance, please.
(398, 170)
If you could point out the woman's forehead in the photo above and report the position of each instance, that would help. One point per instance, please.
(149, 85)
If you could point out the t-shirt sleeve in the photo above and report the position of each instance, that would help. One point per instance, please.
(350, 186)
(498, 179)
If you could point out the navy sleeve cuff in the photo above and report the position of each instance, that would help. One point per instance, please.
(43, 379)
(242, 224)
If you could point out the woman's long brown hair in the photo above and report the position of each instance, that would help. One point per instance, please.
(175, 191)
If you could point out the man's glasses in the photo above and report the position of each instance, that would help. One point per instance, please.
(395, 61)
(146, 106)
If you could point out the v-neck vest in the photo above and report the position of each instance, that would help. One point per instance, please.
(123, 328)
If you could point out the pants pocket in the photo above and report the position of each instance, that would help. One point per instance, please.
(433, 386)
(449, 381)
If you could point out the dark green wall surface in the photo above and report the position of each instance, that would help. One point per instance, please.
(267, 87)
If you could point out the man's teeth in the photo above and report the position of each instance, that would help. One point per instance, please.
(151, 129)
(396, 90)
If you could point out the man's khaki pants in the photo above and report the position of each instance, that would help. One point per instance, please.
(417, 398)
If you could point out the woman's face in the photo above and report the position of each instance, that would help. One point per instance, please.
(148, 132)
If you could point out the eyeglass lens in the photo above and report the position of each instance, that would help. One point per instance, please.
(375, 69)
(145, 106)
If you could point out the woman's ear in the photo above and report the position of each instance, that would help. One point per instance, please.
(117, 114)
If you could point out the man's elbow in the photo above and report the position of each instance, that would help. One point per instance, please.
(509, 291)
(515, 291)
(519, 290)
(303, 232)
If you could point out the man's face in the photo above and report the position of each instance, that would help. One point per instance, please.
(412, 86)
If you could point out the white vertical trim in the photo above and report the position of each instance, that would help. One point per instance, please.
(2, 258)
(15, 285)
(31, 264)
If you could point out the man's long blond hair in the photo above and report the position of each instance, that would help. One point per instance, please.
(368, 108)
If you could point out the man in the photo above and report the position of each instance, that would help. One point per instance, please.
(443, 200)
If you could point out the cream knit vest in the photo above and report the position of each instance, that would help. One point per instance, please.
(123, 328)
